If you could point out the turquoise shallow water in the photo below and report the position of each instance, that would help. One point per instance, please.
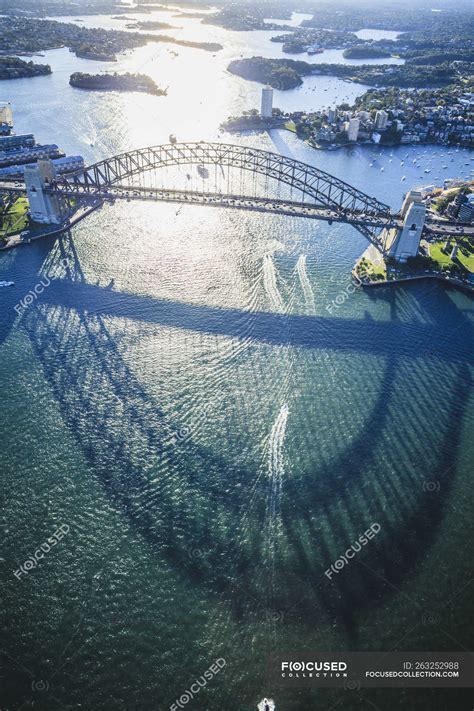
(215, 429)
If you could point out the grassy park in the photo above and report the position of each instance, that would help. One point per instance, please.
(14, 218)
(464, 257)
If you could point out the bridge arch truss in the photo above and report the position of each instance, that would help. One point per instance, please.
(314, 185)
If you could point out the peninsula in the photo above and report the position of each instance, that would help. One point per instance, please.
(26, 36)
(15, 68)
(287, 73)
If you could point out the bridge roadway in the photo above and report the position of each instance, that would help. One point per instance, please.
(217, 199)
(434, 226)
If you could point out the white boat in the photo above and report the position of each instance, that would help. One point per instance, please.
(427, 170)
(7, 283)
(266, 705)
(404, 177)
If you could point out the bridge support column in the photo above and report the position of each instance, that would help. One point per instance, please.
(407, 241)
(44, 208)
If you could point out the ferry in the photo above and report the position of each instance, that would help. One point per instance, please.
(7, 283)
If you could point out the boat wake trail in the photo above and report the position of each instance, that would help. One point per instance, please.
(276, 467)
(270, 283)
(275, 470)
(305, 283)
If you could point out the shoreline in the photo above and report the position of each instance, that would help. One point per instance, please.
(416, 277)
(16, 241)
(444, 278)
(337, 146)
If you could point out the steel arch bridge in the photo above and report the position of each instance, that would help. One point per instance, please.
(322, 195)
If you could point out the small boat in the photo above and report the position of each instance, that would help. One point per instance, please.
(266, 705)
(404, 177)
(7, 283)
(427, 170)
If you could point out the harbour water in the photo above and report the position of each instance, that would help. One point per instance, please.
(216, 414)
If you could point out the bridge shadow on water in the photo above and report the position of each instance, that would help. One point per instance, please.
(131, 444)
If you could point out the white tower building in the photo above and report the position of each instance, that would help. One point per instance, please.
(267, 102)
(6, 114)
(381, 118)
(353, 129)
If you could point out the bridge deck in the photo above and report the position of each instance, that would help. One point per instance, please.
(433, 226)
(322, 196)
